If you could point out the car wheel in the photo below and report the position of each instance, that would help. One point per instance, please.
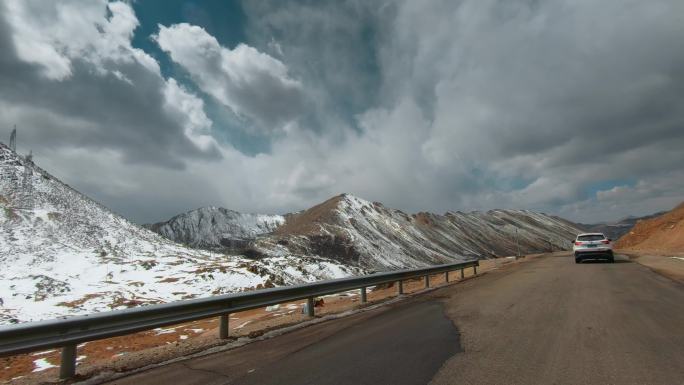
(578, 260)
(611, 259)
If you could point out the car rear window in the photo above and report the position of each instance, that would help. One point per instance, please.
(591, 238)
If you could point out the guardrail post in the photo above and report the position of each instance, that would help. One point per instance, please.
(462, 275)
(67, 366)
(474, 269)
(427, 280)
(401, 287)
(446, 276)
(223, 326)
(364, 299)
(310, 306)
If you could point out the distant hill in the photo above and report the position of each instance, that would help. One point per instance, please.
(216, 227)
(663, 234)
(356, 232)
(615, 230)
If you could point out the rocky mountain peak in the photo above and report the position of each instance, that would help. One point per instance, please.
(217, 227)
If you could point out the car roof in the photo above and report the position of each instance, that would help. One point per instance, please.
(579, 235)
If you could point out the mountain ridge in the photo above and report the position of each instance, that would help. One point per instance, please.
(616, 229)
(367, 234)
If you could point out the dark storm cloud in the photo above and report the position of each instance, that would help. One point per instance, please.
(527, 104)
(332, 46)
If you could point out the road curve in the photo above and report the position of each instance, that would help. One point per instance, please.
(546, 321)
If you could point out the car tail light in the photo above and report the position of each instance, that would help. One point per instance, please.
(578, 243)
(605, 242)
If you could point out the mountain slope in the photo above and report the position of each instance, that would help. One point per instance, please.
(215, 227)
(664, 233)
(615, 230)
(62, 253)
(368, 235)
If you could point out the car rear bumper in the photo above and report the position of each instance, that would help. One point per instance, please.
(607, 253)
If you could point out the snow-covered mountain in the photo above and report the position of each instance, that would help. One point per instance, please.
(366, 234)
(62, 253)
(216, 227)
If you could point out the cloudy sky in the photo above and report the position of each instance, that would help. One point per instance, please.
(570, 107)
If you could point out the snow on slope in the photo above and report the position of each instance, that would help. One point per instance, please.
(367, 234)
(214, 227)
(65, 254)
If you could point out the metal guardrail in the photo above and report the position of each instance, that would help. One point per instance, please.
(66, 333)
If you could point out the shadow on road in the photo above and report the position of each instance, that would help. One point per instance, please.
(605, 261)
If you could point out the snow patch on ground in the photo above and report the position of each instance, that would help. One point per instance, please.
(42, 364)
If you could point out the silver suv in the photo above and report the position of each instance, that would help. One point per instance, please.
(592, 246)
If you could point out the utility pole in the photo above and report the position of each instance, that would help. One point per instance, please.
(27, 182)
(517, 241)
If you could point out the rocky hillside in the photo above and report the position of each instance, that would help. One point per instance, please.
(615, 230)
(662, 234)
(216, 227)
(62, 253)
(369, 235)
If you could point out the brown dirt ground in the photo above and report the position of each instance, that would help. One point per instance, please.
(660, 235)
(138, 350)
(423, 218)
(307, 221)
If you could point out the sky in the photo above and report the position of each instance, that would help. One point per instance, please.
(570, 107)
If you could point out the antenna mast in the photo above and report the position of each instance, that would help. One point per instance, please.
(13, 139)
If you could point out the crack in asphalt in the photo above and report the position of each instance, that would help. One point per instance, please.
(185, 365)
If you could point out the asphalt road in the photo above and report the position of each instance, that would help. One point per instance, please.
(546, 321)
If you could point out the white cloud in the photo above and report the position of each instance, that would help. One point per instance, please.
(251, 83)
(190, 110)
(53, 34)
(72, 79)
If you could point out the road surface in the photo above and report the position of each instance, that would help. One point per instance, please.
(546, 321)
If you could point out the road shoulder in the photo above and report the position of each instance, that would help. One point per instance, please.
(669, 265)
